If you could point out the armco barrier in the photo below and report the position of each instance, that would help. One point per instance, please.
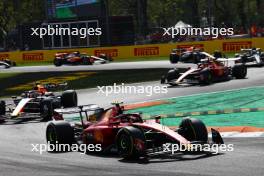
(136, 51)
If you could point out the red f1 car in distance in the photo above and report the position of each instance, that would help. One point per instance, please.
(39, 102)
(77, 58)
(127, 134)
(209, 70)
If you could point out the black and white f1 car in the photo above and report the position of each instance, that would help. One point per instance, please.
(6, 63)
(253, 56)
(208, 71)
(190, 55)
(38, 103)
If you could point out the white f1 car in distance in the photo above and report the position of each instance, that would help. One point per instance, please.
(6, 63)
(253, 56)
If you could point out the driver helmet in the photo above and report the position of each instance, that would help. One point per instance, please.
(76, 53)
(117, 109)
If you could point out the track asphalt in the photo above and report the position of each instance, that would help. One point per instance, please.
(17, 158)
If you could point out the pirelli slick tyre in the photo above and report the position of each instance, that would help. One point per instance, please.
(174, 58)
(46, 109)
(126, 142)
(87, 61)
(193, 130)
(69, 99)
(2, 108)
(239, 71)
(206, 77)
(59, 132)
(57, 62)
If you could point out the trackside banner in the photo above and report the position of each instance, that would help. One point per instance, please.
(137, 51)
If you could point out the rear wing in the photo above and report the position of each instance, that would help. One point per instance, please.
(178, 49)
(78, 109)
(250, 49)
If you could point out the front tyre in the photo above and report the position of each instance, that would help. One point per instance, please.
(193, 130)
(239, 71)
(2, 108)
(130, 143)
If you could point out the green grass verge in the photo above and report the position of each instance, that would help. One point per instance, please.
(14, 84)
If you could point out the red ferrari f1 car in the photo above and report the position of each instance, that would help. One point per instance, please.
(128, 134)
(208, 70)
(39, 102)
(77, 58)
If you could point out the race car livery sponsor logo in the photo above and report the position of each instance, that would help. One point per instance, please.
(200, 46)
(108, 52)
(147, 51)
(236, 46)
(4, 56)
(33, 56)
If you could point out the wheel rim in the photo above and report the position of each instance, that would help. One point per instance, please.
(209, 77)
(125, 145)
(45, 110)
(51, 135)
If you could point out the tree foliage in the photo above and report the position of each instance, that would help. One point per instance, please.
(16, 12)
(160, 13)
(149, 14)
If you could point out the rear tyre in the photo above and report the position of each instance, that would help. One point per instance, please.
(69, 99)
(193, 130)
(125, 142)
(2, 108)
(105, 57)
(218, 54)
(59, 132)
(206, 77)
(86, 61)
(57, 62)
(239, 71)
(46, 109)
(174, 58)
(14, 63)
